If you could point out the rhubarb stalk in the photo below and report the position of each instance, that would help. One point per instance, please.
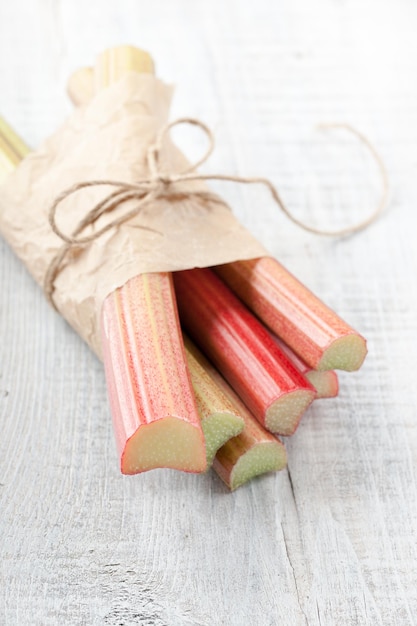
(220, 418)
(319, 336)
(241, 348)
(12, 149)
(253, 452)
(154, 412)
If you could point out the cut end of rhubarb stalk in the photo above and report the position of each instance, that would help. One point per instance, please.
(346, 353)
(80, 86)
(325, 383)
(283, 415)
(262, 458)
(114, 63)
(168, 442)
(217, 429)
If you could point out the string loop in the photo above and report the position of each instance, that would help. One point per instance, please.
(160, 184)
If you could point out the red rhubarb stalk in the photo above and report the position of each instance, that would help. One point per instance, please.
(241, 348)
(319, 336)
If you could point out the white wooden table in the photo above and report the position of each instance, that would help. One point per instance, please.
(332, 539)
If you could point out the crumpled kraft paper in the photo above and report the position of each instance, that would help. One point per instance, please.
(109, 139)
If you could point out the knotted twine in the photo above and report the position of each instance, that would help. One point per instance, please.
(162, 185)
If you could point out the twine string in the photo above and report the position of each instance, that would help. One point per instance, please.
(162, 185)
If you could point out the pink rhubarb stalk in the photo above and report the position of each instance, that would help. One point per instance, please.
(155, 417)
(325, 382)
(241, 348)
(319, 336)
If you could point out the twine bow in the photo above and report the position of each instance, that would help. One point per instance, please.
(160, 184)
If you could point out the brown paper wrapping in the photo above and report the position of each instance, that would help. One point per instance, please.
(109, 139)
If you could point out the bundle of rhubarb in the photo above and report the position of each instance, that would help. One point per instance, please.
(207, 359)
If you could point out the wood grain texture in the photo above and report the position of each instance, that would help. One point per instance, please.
(331, 541)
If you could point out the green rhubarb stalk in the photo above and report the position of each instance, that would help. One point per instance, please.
(114, 63)
(219, 417)
(12, 149)
(253, 452)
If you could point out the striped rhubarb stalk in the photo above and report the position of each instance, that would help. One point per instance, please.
(154, 412)
(220, 418)
(241, 348)
(325, 382)
(312, 330)
(153, 406)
